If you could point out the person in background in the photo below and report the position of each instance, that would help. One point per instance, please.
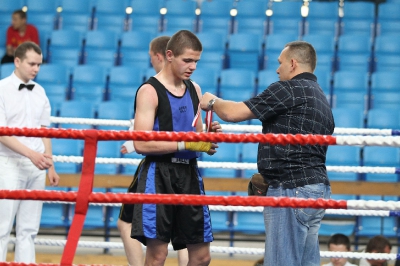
(133, 248)
(339, 243)
(377, 244)
(295, 104)
(23, 160)
(17, 33)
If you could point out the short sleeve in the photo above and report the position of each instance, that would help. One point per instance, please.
(45, 117)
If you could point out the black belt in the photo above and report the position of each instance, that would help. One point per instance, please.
(171, 160)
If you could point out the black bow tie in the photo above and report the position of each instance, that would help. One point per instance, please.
(28, 86)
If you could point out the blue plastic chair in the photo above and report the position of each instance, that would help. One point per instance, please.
(254, 9)
(117, 23)
(106, 58)
(251, 25)
(386, 44)
(212, 41)
(387, 62)
(207, 79)
(283, 25)
(37, 7)
(6, 70)
(67, 56)
(67, 147)
(350, 81)
(101, 40)
(343, 156)
(54, 78)
(212, 60)
(383, 119)
(324, 79)
(115, 110)
(386, 27)
(54, 214)
(77, 109)
(216, 24)
(124, 82)
(384, 89)
(325, 45)
(244, 51)
(286, 10)
(77, 7)
(146, 8)
(367, 225)
(348, 118)
(174, 24)
(43, 22)
(381, 156)
(110, 7)
(219, 173)
(385, 100)
(323, 10)
(322, 26)
(248, 222)
(65, 39)
(358, 18)
(220, 220)
(9, 6)
(237, 80)
(76, 22)
(89, 83)
(180, 8)
(212, 9)
(354, 62)
(107, 149)
(350, 27)
(388, 11)
(265, 79)
(349, 44)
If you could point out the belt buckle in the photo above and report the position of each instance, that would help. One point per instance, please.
(179, 160)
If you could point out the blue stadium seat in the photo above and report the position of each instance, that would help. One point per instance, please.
(65, 39)
(106, 58)
(67, 147)
(111, 7)
(383, 118)
(323, 10)
(244, 51)
(43, 22)
(220, 220)
(136, 40)
(369, 225)
(286, 9)
(266, 78)
(254, 9)
(343, 156)
(387, 62)
(216, 24)
(66, 56)
(107, 149)
(273, 48)
(354, 53)
(207, 79)
(322, 26)
(386, 27)
(350, 89)
(384, 93)
(124, 82)
(381, 156)
(9, 6)
(370, 177)
(77, 109)
(89, 83)
(76, 22)
(6, 70)
(115, 110)
(213, 60)
(348, 118)
(37, 7)
(219, 173)
(76, 7)
(234, 80)
(146, 8)
(358, 18)
(129, 169)
(101, 40)
(54, 214)
(212, 41)
(324, 78)
(283, 25)
(388, 11)
(248, 222)
(387, 44)
(251, 25)
(215, 16)
(385, 100)
(117, 23)
(174, 24)
(55, 80)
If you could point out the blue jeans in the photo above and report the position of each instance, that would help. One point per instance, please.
(292, 234)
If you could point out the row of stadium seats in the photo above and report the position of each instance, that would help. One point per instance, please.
(228, 16)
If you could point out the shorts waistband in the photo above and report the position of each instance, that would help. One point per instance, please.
(171, 160)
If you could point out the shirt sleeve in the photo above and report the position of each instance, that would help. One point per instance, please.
(3, 117)
(9, 36)
(271, 102)
(45, 117)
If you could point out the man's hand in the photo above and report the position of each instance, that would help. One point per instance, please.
(40, 160)
(207, 97)
(213, 149)
(53, 177)
(216, 127)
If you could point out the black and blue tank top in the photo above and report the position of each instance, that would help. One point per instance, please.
(175, 113)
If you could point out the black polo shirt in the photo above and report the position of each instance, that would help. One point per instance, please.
(296, 106)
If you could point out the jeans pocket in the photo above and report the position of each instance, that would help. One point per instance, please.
(308, 215)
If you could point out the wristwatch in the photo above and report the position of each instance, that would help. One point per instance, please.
(211, 104)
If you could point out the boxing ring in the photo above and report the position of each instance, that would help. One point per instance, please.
(85, 197)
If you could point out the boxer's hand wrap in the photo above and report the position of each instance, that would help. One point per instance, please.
(194, 146)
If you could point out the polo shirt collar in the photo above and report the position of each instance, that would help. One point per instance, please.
(306, 75)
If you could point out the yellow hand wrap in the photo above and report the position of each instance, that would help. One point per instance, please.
(198, 146)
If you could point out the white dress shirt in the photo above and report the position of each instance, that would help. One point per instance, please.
(23, 108)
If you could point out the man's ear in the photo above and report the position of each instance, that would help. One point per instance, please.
(17, 61)
(169, 54)
(293, 64)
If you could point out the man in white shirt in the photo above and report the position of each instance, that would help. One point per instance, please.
(23, 160)
(339, 243)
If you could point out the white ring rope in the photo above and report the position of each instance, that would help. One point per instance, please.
(227, 165)
(393, 141)
(214, 249)
(226, 127)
